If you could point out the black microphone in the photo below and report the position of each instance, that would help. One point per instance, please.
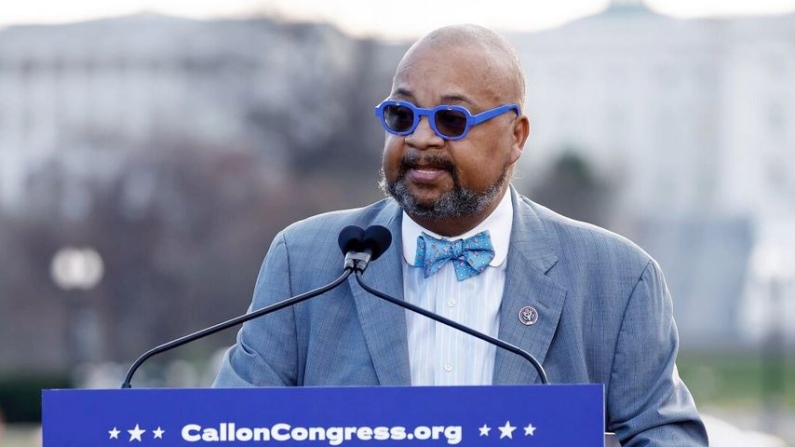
(351, 240)
(377, 240)
(365, 246)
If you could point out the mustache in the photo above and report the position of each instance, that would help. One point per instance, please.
(410, 161)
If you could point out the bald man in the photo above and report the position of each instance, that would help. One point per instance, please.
(588, 304)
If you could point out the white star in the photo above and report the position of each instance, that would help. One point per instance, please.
(135, 434)
(529, 430)
(159, 433)
(114, 434)
(484, 431)
(506, 431)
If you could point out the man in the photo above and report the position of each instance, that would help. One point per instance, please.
(586, 303)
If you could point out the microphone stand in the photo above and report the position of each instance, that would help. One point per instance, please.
(233, 322)
(504, 345)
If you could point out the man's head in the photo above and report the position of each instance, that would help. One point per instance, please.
(447, 183)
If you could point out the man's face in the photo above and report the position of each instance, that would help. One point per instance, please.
(435, 179)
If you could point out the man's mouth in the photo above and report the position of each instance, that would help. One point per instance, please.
(427, 170)
(426, 174)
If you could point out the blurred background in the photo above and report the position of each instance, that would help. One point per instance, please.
(149, 152)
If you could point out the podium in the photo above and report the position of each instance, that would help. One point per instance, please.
(467, 416)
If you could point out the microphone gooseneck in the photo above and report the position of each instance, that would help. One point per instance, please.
(359, 247)
(377, 239)
(487, 338)
(229, 323)
(351, 241)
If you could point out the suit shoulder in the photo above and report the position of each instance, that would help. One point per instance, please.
(581, 242)
(328, 225)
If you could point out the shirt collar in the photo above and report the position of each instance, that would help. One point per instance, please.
(498, 223)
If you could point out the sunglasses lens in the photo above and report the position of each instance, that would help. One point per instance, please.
(451, 123)
(398, 118)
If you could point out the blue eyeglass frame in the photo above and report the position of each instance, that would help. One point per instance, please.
(419, 112)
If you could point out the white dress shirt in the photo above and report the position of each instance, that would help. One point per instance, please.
(441, 355)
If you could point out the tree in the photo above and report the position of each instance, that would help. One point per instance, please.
(571, 188)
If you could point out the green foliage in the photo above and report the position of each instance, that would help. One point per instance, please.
(572, 187)
(20, 396)
(739, 379)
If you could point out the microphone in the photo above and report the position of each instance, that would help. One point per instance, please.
(351, 241)
(351, 238)
(374, 242)
(377, 240)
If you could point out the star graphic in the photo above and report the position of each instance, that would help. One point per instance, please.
(114, 434)
(484, 431)
(506, 431)
(158, 433)
(135, 434)
(529, 430)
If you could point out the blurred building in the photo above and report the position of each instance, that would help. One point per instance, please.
(101, 101)
(692, 123)
(689, 115)
(88, 88)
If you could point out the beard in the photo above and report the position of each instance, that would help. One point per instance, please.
(459, 202)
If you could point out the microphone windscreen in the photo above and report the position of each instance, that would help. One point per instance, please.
(351, 239)
(377, 239)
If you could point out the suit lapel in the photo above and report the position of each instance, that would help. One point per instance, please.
(383, 323)
(530, 256)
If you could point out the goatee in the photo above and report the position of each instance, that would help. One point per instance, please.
(458, 202)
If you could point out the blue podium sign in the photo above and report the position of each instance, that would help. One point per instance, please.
(489, 416)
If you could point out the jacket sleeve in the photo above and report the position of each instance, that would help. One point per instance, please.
(647, 403)
(265, 353)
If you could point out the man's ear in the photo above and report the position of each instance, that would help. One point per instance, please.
(521, 130)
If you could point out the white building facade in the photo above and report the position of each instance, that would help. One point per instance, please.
(83, 88)
(693, 122)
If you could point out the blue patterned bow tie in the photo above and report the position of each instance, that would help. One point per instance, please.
(469, 256)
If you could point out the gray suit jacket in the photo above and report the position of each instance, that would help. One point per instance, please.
(604, 317)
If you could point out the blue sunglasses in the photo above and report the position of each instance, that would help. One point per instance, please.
(448, 122)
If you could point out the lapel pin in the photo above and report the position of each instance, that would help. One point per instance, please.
(528, 315)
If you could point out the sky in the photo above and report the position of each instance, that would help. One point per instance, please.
(378, 18)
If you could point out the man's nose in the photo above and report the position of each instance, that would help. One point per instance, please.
(424, 136)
